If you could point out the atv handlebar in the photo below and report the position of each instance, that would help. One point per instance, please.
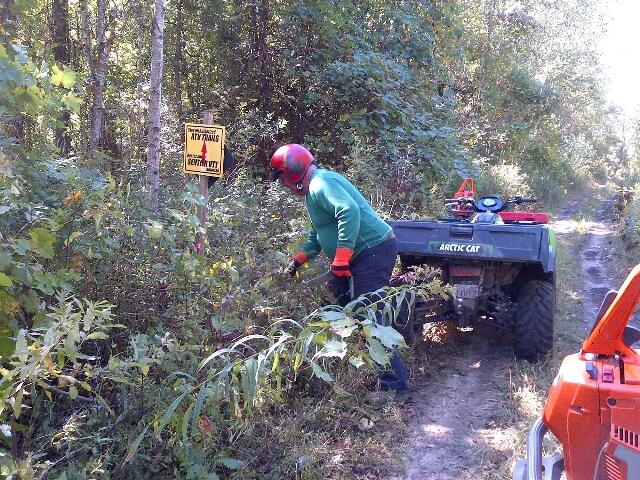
(517, 200)
(462, 201)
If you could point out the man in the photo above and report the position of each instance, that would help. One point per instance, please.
(360, 244)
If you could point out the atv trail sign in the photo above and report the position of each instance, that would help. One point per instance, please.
(203, 149)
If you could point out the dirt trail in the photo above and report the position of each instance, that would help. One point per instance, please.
(451, 433)
(595, 279)
(451, 419)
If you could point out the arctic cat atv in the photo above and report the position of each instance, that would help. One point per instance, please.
(593, 406)
(501, 266)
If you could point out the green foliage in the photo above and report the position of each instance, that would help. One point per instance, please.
(32, 88)
(631, 220)
(404, 97)
(52, 352)
(261, 370)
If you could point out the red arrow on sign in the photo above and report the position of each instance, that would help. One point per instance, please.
(203, 162)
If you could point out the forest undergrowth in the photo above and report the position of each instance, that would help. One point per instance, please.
(125, 351)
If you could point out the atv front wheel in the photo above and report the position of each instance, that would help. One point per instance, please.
(534, 320)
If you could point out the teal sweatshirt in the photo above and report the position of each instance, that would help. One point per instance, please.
(340, 217)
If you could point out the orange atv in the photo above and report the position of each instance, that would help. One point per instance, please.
(593, 406)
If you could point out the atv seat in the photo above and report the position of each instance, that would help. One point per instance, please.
(529, 217)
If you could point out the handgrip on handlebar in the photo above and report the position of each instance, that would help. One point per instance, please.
(461, 200)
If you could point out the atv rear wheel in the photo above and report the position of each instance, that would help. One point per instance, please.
(534, 320)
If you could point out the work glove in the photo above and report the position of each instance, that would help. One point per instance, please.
(293, 267)
(340, 288)
(295, 263)
(340, 275)
(340, 265)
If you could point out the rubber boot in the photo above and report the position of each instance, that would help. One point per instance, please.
(397, 378)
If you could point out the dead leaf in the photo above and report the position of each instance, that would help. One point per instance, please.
(205, 425)
(72, 198)
(48, 363)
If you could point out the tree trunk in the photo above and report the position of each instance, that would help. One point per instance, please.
(261, 49)
(265, 67)
(178, 60)
(97, 64)
(60, 14)
(97, 109)
(260, 19)
(138, 115)
(155, 103)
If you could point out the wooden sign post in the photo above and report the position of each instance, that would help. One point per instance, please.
(204, 191)
(204, 156)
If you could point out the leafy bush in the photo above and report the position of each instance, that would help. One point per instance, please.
(631, 219)
(399, 99)
(92, 239)
(502, 179)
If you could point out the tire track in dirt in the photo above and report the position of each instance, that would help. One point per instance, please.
(450, 432)
(593, 257)
(451, 415)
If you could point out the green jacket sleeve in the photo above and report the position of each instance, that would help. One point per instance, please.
(337, 200)
(311, 247)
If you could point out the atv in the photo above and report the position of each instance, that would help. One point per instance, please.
(593, 406)
(500, 263)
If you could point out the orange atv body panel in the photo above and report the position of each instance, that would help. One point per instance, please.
(573, 414)
(593, 407)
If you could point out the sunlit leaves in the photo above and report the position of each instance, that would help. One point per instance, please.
(97, 336)
(333, 348)
(257, 369)
(64, 77)
(377, 352)
(71, 101)
(344, 327)
(33, 368)
(388, 336)
(320, 373)
(232, 463)
(42, 241)
(5, 281)
(154, 229)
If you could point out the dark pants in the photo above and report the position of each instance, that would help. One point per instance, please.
(371, 270)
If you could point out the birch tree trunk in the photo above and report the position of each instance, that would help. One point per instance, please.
(178, 60)
(155, 103)
(139, 114)
(97, 63)
(97, 109)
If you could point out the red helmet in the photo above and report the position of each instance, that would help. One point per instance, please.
(292, 160)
